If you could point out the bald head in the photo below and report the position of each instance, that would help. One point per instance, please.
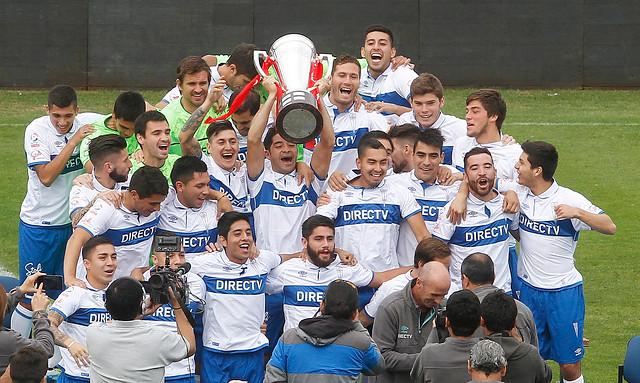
(431, 285)
(477, 270)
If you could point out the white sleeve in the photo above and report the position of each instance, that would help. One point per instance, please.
(274, 282)
(330, 210)
(77, 199)
(371, 309)
(171, 95)
(35, 147)
(358, 275)
(581, 202)
(200, 264)
(378, 122)
(98, 219)
(409, 206)
(406, 78)
(444, 228)
(67, 303)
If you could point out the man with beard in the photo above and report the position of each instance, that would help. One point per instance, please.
(153, 134)
(304, 282)
(111, 162)
(486, 227)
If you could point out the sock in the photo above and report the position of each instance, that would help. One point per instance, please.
(21, 321)
(579, 380)
(55, 359)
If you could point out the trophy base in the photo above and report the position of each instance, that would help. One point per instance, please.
(299, 120)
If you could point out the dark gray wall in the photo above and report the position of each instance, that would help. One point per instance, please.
(137, 44)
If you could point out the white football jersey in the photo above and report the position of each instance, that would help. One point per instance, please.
(485, 230)
(303, 285)
(234, 308)
(349, 126)
(504, 157)
(280, 206)
(232, 184)
(368, 220)
(79, 307)
(81, 196)
(391, 86)
(387, 288)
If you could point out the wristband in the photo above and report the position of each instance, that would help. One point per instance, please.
(176, 308)
(71, 344)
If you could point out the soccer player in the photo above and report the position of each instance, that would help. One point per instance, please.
(187, 211)
(349, 125)
(305, 281)
(128, 106)
(551, 217)
(368, 213)
(403, 138)
(153, 134)
(53, 161)
(110, 175)
(423, 184)
(164, 317)
(385, 90)
(275, 193)
(486, 228)
(76, 308)
(130, 227)
(241, 119)
(427, 100)
(429, 249)
(234, 303)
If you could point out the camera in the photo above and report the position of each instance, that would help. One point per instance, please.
(158, 285)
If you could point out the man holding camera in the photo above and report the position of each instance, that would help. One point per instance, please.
(130, 350)
(169, 264)
(76, 308)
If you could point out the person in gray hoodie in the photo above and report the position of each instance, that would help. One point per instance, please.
(332, 347)
(524, 363)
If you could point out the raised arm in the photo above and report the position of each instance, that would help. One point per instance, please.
(321, 157)
(255, 147)
(188, 143)
(71, 255)
(47, 173)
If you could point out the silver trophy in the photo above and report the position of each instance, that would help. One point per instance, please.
(297, 67)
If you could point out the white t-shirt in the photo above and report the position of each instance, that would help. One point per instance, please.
(431, 199)
(234, 308)
(349, 126)
(485, 230)
(131, 234)
(391, 86)
(196, 227)
(48, 206)
(547, 245)
(79, 307)
(451, 127)
(280, 206)
(368, 220)
(387, 288)
(303, 285)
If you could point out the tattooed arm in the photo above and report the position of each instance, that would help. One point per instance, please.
(77, 350)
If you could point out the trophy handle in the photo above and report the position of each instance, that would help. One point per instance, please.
(329, 58)
(257, 55)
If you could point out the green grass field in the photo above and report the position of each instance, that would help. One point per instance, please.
(596, 133)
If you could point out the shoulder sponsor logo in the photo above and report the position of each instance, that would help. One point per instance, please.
(34, 137)
(35, 154)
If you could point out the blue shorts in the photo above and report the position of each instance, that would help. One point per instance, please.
(275, 324)
(42, 248)
(197, 331)
(513, 269)
(64, 378)
(221, 367)
(181, 379)
(559, 316)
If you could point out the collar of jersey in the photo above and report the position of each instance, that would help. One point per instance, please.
(178, 205)
(364, 188)
(412, 174)
(311, 266)
(490, 144)
(227, 262)
(331, 106)
(438, 123)
(71, 131)
(384, 74)
(476, 201)
(547, 193)
(90, 287)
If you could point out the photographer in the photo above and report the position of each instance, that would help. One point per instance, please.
(130, 350)
(168, 257)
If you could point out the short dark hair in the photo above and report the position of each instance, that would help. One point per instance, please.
(493, 102)
(185, 167)
(147, 181)
(543, 154)
(475, 151)
(192, 65)
(242, 58)
(340, 299)
(378, 135)
(432, 137)
(28, 365)
(478, 267)
(430, 249)
(128, 106)
(103, 147)
(368, 143)
(427, 83)
(463, 311)
(345, 58)
(218, 126)
(314, 221)
(140, 125)
(92, 243)
(499, 311)
(124, 299)
(62, 96)
(405, 132)
(251, 103)
(228, 219)
(379, 28)
(268, 138)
